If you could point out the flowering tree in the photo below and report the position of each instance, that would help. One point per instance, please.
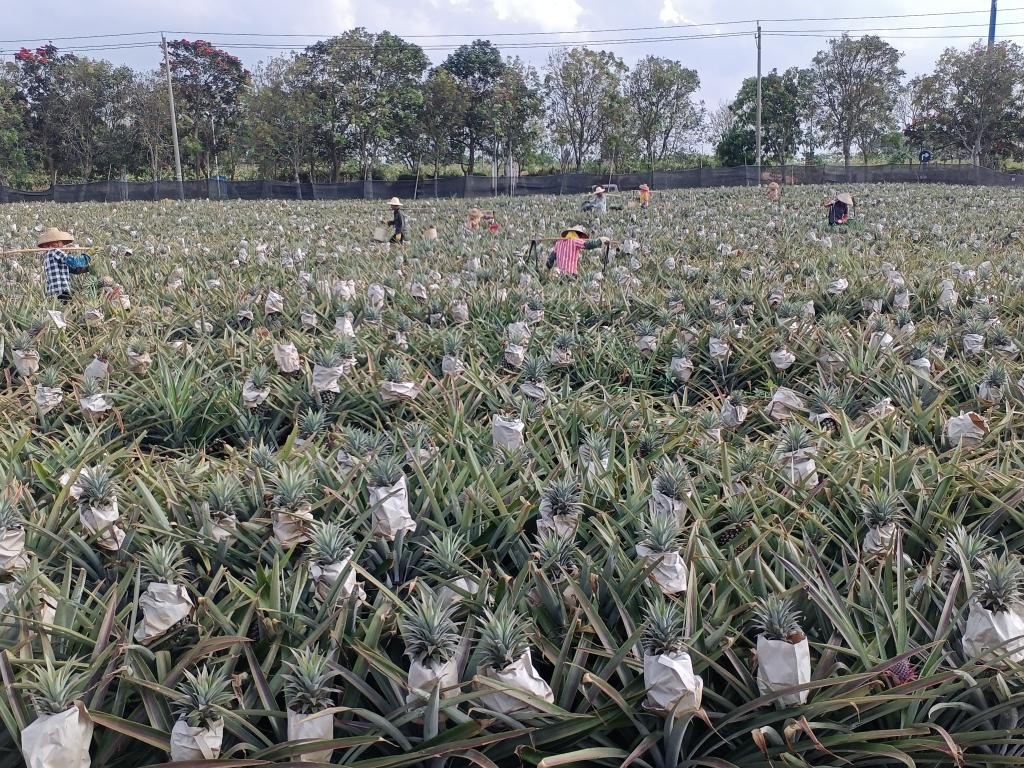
(209, 86)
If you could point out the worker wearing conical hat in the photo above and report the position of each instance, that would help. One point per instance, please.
(598, 203)
(839, 208)
(566, 253)
(397, 221)
(58, 266)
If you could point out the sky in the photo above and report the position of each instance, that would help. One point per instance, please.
(721, 62)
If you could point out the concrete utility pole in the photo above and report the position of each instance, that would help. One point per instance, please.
(174, 120)
(992, 25)
(758, 130)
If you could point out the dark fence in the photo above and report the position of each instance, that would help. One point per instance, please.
(481, 186)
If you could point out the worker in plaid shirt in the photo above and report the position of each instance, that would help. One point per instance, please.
(58, 266)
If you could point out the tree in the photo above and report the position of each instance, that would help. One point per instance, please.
(209, 86)
(15, 142)
(660, 96)
(518, 108)
(478, 69)
(783, 102)
(855, 86)
(582, 86)
(151, 119)
(736, 146)
(43, 88)
(972, 100)
(442, 115)
(280, 111)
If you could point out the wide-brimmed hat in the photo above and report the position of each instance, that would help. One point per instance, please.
(579, 229)
(845, 197)
(54, 235)
(476, 213)
(598, 190)
(395, 201)
(645, 188)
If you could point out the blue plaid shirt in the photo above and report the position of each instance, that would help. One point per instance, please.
(56, 272)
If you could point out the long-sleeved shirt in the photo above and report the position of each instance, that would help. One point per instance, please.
(567, 253)
(56, 272)
(398, 222)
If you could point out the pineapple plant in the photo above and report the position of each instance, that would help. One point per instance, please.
(965, 552)
(198, 732)
(881, 512)
(96, 494)
(505, 657)
(389, 498)
(671, 685)
(647, 443)
(224, 502)
(256, 390)
(291, 512)
(647, 333)
(396, 386)
(995, 624)
(973, 339)
(447, 562)
(166, 602)
(992, 388)
(62, 731)
(452, 348)
(737, 522)
(49, 394)
(420, 443)
(711, 425)
(25, 355)
(595, 453)
(561, 355)
(534, 382)
(556, 555)
(329, 551)
(560, 507)
(669, 491)
(507, 430)
(783, 655)
(659, 549)
(431, 639)
(12, 537)
(328, 367)
(93, 399)
(734, 410)
(307, 692)
(796, 456)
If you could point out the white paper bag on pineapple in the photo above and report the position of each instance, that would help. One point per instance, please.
(798, 467)
(879, 541)
(139, 363)
(101, 521)
(515, 355)
(291, 527)
(452, 366)
(535, 390)
(389, 506)
(991, 635)
(96, 370)
(316, 726)
(375, 294)
(681, 369)
(967, 430)
(12, 550)
(733, 414)
(48, 398)
(253, 397)
(519, 674)
(188, 743)
(344, 289)
(783, 359)
(163, 606)
(343, 326)
(398, 391)
(669, 572)
(26, 361)
(58, 741)
(327, 575)
(781, 664)
(308, 320)
(57, 318)
(506, 433)
(426, 677)
(671, 684)
(286, 357)
(274, 303)
(783, 403)
(325, 378)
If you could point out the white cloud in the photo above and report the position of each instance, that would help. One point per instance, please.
(549, 15)
(670, 15)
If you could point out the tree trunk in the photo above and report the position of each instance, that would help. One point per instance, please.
(472, 159)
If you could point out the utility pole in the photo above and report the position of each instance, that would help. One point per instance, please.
(174, 120)
(992, 26)
(758, 129)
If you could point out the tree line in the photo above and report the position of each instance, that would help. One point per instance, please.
(350, 105)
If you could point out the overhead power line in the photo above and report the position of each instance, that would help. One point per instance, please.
(544, 33)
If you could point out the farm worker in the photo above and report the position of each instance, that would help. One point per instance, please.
(773, 191)
(397, 221)
(474, 218)
(645, 195)
(839, 209)
(597, 203)
(58, 266)
(566, 253)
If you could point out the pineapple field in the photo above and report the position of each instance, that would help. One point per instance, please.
(746, 491)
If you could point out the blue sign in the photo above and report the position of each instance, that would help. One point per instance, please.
(925, 155)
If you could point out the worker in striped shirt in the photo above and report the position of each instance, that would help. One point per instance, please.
(566, 253)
